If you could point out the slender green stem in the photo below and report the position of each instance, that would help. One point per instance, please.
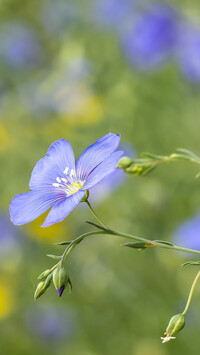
(123, 235)
(142, 165)
(76, 241)
(191, 293)
(155, 243)
(94, 214)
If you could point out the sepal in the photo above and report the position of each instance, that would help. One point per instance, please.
(60, 280)
(176, 324)
(42, 287)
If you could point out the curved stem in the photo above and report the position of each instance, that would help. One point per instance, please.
(191, 293)
(155, 243)
(152, 243)
(76, 241)
(94, 214)
(123, 235)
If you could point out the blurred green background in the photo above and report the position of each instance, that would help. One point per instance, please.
(66, 73)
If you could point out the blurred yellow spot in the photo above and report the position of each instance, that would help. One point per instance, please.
(50, 234)
(3, 138)
(78, 106)
(6, 302)
(89, 111)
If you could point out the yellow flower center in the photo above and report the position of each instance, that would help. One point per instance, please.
(69, 184)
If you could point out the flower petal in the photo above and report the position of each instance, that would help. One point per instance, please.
(63, 208)
(26, 207)
(95, 154)
(59, 157)
(104, 169)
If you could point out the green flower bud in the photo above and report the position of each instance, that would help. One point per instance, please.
(176, 324)
(140, 169)
(84, 199)
(124, 163)
(60, 280)
(139, 245)
(44, 274)
(42, 287)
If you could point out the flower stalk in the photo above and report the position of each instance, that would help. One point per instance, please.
(107, 231)
(177, 322)
(191, 293)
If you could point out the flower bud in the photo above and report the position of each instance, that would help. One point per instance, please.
(140, 169)
(44, 274)
(139, 245)
(176, 324)
(84, 199)
(124, 163)
(42, 287)
(60, 280)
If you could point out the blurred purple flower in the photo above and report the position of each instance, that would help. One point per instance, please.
(19, 45)
(152, 37)
(111, 13)
(50, 323)
(187, 233)
(9, 238)
(188, 52)
(106, 186)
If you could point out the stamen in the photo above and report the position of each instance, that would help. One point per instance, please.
(66, 170)
(69, 185)
(64, 180)
(72, 173)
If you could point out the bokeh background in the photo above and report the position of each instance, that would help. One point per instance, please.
(78, 69)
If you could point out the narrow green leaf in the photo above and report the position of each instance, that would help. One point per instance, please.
(188, 153)
(149, 170)
(164, 242)
(99, 227)
(70, 285)
(63, 243)
(188, 263)
(152, 156)
(55, 257)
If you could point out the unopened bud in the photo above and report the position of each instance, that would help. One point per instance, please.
(44, 274)
(139, 245)
(84, 199)
(42, 287)
(140, 169)
(176, 324)
(60, 280)
(124, 163)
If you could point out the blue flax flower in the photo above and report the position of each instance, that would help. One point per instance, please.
(58, 182)
(188, 52)
(152, 37)
(51, 324)
(20, 47)
(111, 13)
(187, 233)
